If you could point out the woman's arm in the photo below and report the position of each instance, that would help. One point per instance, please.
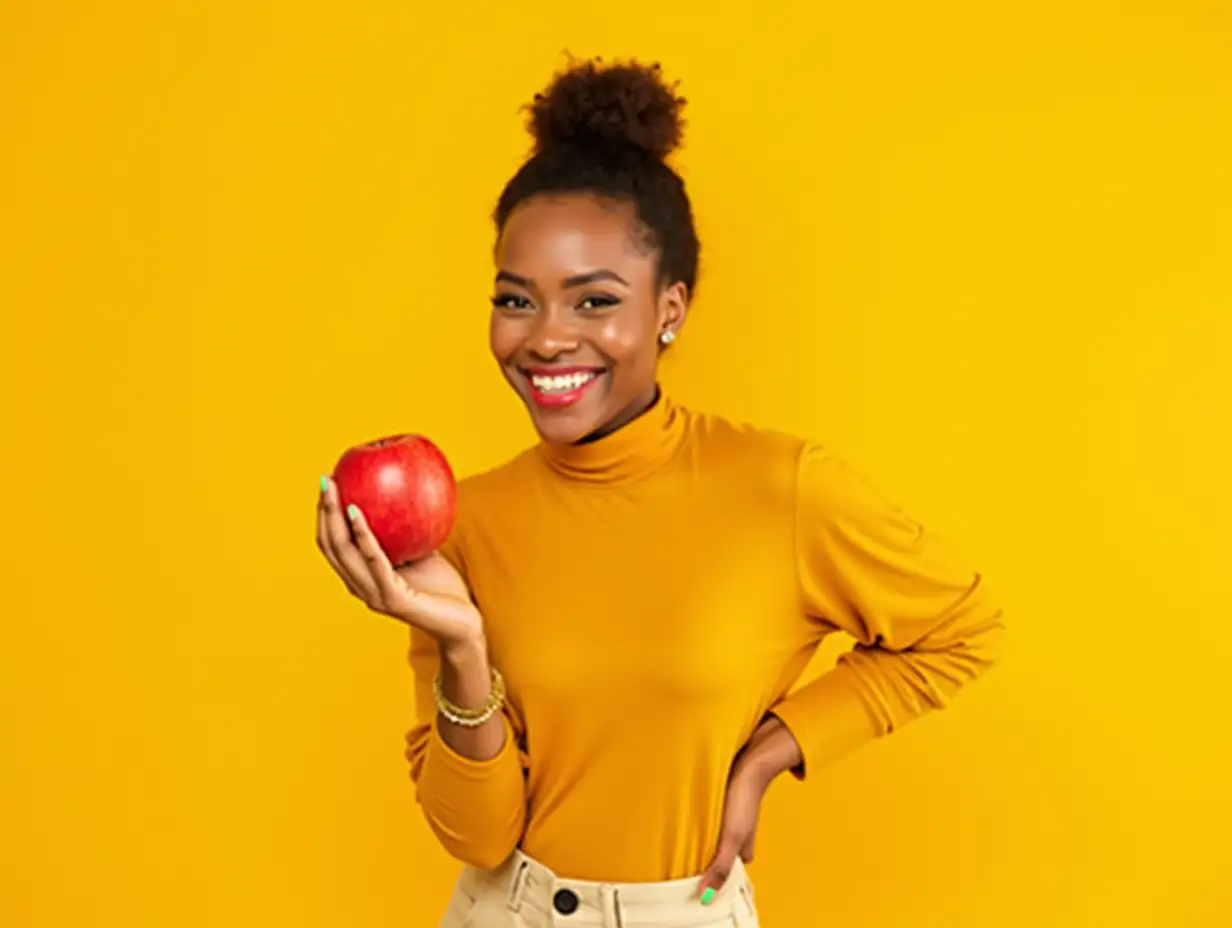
(470, 782)
(924, 623)
(466, 681)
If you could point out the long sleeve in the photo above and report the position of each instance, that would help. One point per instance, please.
(923, 623)
(477, 809)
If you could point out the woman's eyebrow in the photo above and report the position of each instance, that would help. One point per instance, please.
(577, 280)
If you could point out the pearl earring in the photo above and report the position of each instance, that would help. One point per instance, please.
(667, 336)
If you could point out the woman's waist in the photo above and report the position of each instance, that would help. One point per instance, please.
(654, 828)
(632, 802)
(525, 882)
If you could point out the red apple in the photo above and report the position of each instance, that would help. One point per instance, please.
(405, 488)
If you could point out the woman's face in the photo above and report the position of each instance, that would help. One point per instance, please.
(577, 314)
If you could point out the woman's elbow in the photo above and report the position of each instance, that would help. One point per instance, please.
(981, 647)
(484, 854)
(989, 644)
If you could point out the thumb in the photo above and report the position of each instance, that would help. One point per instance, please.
(720, 868)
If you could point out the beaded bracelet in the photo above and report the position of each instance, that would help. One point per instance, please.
(472, 718)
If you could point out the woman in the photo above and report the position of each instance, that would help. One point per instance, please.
(604, 648)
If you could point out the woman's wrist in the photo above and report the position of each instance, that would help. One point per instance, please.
(466, 692)
(772, 750)
(466, 675)
(465, 651)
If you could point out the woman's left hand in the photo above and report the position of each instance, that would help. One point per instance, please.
(771, 750)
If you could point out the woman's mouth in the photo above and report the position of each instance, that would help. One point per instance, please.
(553, 388)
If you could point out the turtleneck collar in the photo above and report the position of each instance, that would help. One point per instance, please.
(635, 450)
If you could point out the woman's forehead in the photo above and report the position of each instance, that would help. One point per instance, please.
(562, 235)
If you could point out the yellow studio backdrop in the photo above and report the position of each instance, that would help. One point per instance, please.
(984, 252)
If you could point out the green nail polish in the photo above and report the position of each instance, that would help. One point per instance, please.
(353, 512)
(708, 895)
(324, 484)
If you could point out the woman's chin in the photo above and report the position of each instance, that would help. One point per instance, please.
(565, 426)
(560, 429)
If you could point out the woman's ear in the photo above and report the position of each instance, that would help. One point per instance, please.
(673, 309)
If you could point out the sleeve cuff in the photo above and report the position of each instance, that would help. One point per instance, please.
(828, 718)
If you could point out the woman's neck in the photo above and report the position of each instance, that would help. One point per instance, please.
(628, 414)
(628, 448)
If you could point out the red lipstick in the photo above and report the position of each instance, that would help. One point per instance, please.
(558, 387)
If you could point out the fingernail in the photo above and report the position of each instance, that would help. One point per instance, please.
(352, 512)
(324, 484)
(708, 895)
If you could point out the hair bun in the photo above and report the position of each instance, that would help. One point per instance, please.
(593, 105)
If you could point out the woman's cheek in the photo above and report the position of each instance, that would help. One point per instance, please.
(503, 337)
(621, 338)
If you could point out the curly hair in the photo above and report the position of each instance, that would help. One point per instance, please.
(607, 130)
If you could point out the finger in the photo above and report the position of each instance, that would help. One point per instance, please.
(332, 545)
(388, 587)
(720, 869)
(338, 535)
(323, 540)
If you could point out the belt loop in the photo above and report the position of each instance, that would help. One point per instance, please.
(518, 885)
(609, 901)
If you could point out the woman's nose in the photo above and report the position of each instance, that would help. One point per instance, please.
(552, 336)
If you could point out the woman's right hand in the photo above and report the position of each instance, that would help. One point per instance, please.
(428, 594)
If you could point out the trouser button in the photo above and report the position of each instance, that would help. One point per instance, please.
(565, 901)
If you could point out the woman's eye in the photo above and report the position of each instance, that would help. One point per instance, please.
(599, 302)
(510, 301)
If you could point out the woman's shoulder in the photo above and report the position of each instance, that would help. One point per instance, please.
(745, 457)
(495, 483)
(731, 440)
(780, 464)
(483, 493)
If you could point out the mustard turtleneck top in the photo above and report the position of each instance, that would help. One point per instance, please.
(649, 597)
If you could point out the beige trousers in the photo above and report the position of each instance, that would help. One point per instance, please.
(522, 893)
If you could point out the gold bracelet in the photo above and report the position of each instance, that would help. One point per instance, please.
(471, 718)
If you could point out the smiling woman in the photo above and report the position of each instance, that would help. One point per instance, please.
(597, 254)
(576, 314)
(598, 723)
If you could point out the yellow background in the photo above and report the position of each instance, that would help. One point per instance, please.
(985, 252)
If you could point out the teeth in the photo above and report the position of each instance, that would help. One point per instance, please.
(561, 384)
